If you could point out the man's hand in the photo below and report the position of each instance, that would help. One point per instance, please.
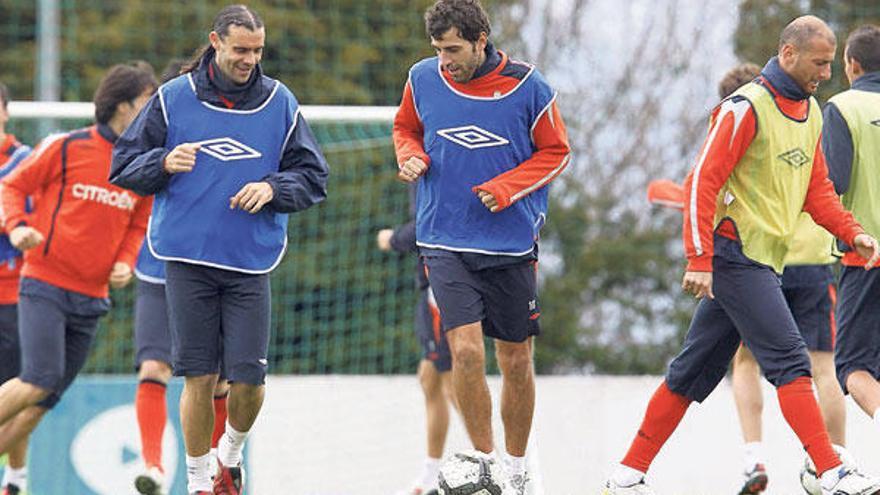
(182, 158)
(867, 248)
(252, 197)
(383, 239)
(412, 169)
(24, 237)
(120, 276)
(488, 200)
(698, 283)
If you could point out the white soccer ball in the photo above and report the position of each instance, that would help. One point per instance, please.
(471, 473)
(809, 481)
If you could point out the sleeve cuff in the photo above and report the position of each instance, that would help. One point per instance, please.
(700, 264)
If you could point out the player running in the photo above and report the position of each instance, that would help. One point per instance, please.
(761, 165)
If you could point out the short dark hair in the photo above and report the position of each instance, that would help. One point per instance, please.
(4, 95)
(231, 15)
(736, 77)
(863, 45)
(468, 16)
(122, 83)
(801, 31)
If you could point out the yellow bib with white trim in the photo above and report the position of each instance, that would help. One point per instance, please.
(764, 194)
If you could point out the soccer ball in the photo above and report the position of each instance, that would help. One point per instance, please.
(471, 473)
(809, 479)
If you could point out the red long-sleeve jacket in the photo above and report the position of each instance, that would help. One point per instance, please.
(87, 223)
(732, 131)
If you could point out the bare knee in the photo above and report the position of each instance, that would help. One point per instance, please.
(514, 359)
(466, 347)
(429, 379)
(154, 370)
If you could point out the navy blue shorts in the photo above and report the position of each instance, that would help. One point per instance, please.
(503, 298)
(57, 328)
(858, 320)
(749, 306)
(218, 316)
(152, 337)
(10, 349)
(812, 306)
(430, 333)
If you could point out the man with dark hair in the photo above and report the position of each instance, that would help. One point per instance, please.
(761, 165)
(851, 138)
(477, 226)
(152, 338)
(227, 155)
(65, 277)
(12, 153)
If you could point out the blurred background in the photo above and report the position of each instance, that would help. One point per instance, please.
(636, 80)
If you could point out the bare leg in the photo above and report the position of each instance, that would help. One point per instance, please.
(245, 402)
(746, 378)
(831, 399)
(436, 408)
(15, 434)
(517, 393)
(197, 413)
(16, 395)
(865, 390)
(469, 381)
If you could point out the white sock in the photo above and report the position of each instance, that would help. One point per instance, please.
(753, 453)
(17, 477)
(230, 446)
(198, 473)
(516, 465)
(845, 457)
(625, 476)
(430, 473)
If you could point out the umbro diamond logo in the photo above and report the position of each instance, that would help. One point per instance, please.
(472, 137)
(876, 122)
(228, 149)
(795, 157)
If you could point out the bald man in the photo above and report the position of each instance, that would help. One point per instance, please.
(760, 166)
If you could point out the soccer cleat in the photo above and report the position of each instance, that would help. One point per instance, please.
(229, 480)
(150, 481)
(640, 488)
(11, 489)
(756, 480)
(516, 483)
(852, 482)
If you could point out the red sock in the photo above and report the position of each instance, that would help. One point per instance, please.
(665, 410)
(800, 409)
(149, 402)
(219, 418)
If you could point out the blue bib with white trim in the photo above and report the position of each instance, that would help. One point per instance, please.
(471, 140)
(191, 219)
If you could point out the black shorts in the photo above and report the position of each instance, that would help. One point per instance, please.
(152, 337)
(430, 333)
(218, 316)
(57, 328)
(504, 298)
(858, 320)
(10, 349)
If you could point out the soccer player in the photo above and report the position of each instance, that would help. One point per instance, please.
(807, 284)
(83, 236)
(153, 360)
(761, 165)
(482, 136)
(434, 368)
(11, 154)
(227, 155)
(851, 138)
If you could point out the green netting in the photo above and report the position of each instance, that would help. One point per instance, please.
(339, 304)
